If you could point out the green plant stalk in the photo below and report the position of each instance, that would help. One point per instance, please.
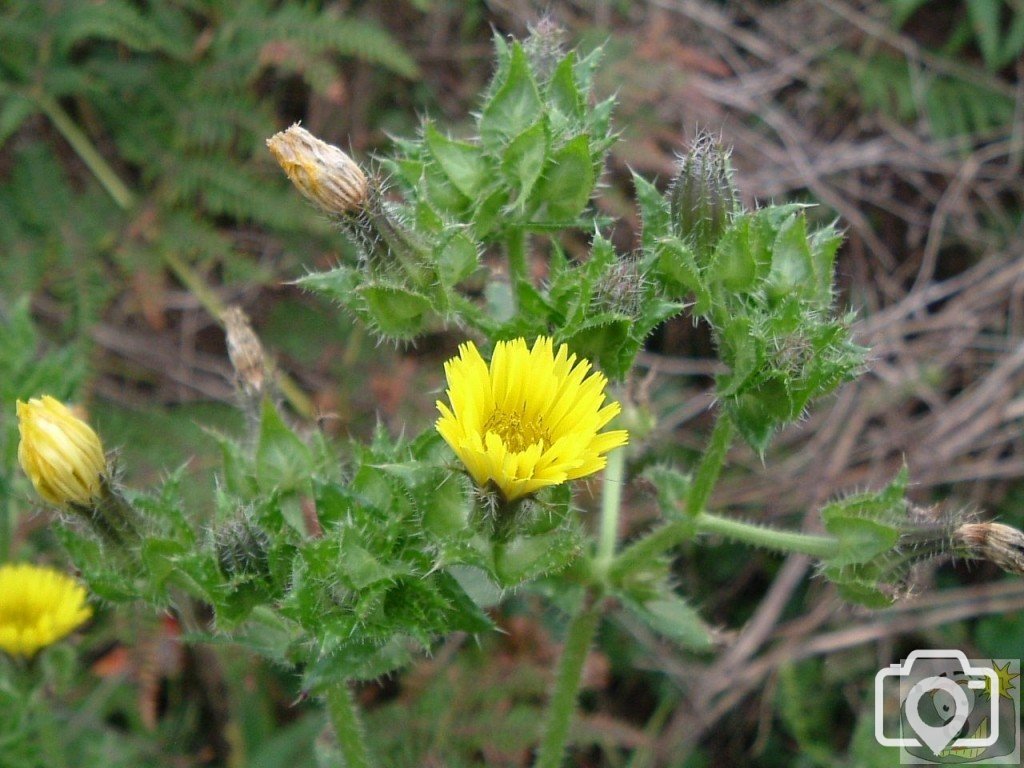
(672, 534)
(89, 155)
(341, 709)
(567, 684)
(611, 503)
(821, 547)
(710, 465)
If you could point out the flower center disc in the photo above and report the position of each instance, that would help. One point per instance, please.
(517, 433)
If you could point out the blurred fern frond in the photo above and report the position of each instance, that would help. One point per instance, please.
(951, 106)
(171, 102)
(996, 27)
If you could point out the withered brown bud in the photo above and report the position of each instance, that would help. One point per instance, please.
(995, 542)
(324, 174)
(244, 351)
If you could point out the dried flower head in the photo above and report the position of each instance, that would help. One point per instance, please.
(995, 542)
(244, 350)
(530, 419)
(38, 606)
(60, 453)
(324, 174)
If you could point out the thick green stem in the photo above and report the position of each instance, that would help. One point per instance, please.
(710, 465)
(611, 503)
(341, 708)
(567, 684)
(821, 547)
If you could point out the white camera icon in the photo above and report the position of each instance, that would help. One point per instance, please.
(951, 695)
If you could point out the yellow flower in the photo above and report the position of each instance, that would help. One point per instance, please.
(38, 606)
(60, 453)
(530, 419)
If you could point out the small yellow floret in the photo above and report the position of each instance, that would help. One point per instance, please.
(530, 419)
(38, 606)
(60, 453)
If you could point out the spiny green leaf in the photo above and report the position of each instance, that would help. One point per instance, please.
(523, 160)
(515, 106)
(462, 162)
(283, 461)
(568, 181)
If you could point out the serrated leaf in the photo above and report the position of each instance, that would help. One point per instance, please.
(338, 283)
(563, 92)
(860, 591)
(677, 264)
(358, 661)
(461, 162)
(567, 183)
(654, 213)
(792, 269)
(673, 617)
(396, 311)
(860, 539)
(457, 259)
(465, 614)
(606, 340)
(523, 160)
(515, 106)
(673, 489)
(735, 263)
(445, 504)
(283, 461)
(526, 557)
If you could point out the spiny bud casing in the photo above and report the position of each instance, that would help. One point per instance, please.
(703, 197)
(60, 453)
(243, 550)
(324, 174)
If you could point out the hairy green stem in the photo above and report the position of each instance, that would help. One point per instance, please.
(710, 465)
(341, 708)
(567, 684)
(611, 503)
(674, 533)
(821, 547)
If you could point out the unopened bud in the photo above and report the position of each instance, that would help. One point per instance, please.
(703, 197)
(623, 289)
(243, 550)
(244, 351)
(995, 542)
(324, 174)
(60, 453)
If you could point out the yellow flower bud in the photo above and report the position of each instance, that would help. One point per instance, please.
(322, 173)
(60, 453)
